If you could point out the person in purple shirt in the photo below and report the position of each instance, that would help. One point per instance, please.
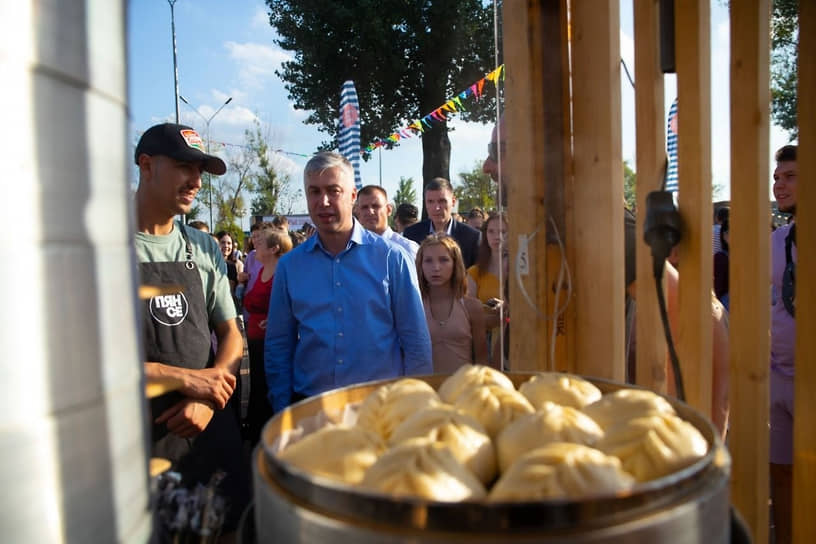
(345, 306)
(783, 343)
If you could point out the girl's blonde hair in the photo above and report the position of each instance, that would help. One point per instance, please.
(277, 237)
(458, 281)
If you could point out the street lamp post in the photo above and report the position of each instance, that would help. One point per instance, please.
(175, 63)
(207, 131)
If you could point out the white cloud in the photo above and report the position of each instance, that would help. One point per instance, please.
(255, 61)
(260, 19)
(220, 96)
(298, 115)
(627, 51)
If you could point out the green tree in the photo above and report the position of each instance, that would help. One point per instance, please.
(784, 64)
(629, 186)
(405, 192)
(405, 58)
(271, 187)
(476, 189)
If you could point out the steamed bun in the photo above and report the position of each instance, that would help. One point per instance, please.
(654, 446)
(465, 437)
(494, 406)
(561, 389)
(469, 376)
(561, 470)
(553, 423)
(626, 404)
(352, 449)
(423, 469)
(388, 406)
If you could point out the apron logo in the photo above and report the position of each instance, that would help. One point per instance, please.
(169, 310)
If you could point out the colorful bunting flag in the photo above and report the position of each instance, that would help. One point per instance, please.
(452, 105)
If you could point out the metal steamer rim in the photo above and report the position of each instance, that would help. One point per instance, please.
(365, 506)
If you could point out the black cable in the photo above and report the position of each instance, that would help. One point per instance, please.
(664, 316)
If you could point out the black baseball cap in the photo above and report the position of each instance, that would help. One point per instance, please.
(178, 142)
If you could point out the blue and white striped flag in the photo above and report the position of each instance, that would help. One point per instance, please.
(671, 148)
(349, 136)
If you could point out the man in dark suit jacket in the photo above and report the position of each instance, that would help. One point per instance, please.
(439, 201)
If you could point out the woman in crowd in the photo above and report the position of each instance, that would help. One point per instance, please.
(721, 266)
(270, 244)
(455, 321)
(483, 278)
(235, 266)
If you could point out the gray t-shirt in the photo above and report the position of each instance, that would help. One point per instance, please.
(208, 259)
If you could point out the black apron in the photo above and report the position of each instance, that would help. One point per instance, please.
(176, 332)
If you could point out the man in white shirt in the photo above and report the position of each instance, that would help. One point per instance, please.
(373, 211)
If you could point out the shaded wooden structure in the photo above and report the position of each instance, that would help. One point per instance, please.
(564, 172)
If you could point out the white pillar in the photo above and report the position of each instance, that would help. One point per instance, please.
(72, 432)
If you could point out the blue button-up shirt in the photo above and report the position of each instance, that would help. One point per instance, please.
(338, 320)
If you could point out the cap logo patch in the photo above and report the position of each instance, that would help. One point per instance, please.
(193, 139)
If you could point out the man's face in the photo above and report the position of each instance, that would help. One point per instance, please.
(373, 211)
(171, 184)
(476, 222)
(784, 187)
(330, 196)
(439, 204)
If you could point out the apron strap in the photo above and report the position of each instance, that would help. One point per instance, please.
(188, 247)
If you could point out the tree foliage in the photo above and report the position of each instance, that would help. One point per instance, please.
(784, 64)
(405, 192)
(629, 186)
(405, 58)
(272, 189)
(475, 189)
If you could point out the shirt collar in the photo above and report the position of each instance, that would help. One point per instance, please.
(448, 229)
(357, 238)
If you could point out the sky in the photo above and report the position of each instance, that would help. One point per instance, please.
(227, 49)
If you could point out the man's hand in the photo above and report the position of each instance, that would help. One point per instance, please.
(210, 384)
(187, 418)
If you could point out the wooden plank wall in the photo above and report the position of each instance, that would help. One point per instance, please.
(804, 467)
(693, 60)
(536, 170)
(597, 236)
(651, 156)
(750, 258)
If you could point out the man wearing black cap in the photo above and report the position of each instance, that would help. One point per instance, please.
(193, 426)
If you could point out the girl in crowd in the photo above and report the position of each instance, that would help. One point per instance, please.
(270, 244)
(235, 266)
(455, 321)
(483, 278)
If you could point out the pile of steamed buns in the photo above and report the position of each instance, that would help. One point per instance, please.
(478, 438)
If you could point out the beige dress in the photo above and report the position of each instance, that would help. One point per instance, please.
(451, 338)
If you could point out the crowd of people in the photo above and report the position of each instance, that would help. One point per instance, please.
(356, 300)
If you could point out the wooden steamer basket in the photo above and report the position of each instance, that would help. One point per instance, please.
(688, 506)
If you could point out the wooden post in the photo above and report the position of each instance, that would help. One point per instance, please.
(692, 31)
(537, 118)
(651, 157)
(750, 255)
(597, 236)
(804, 437)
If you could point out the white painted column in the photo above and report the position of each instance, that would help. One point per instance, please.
(72, 433)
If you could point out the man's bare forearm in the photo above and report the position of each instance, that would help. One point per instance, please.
(230, 346)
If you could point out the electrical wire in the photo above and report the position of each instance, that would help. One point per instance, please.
(664, 317)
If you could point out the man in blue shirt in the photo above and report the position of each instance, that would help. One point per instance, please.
(344, 308)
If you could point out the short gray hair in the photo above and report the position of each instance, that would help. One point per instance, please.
(326, 160)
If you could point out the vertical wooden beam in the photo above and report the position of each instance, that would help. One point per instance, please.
(598, 273)
(804, 437)
(651, 157)
(750, 255)
(692, 31)
(537, 118)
